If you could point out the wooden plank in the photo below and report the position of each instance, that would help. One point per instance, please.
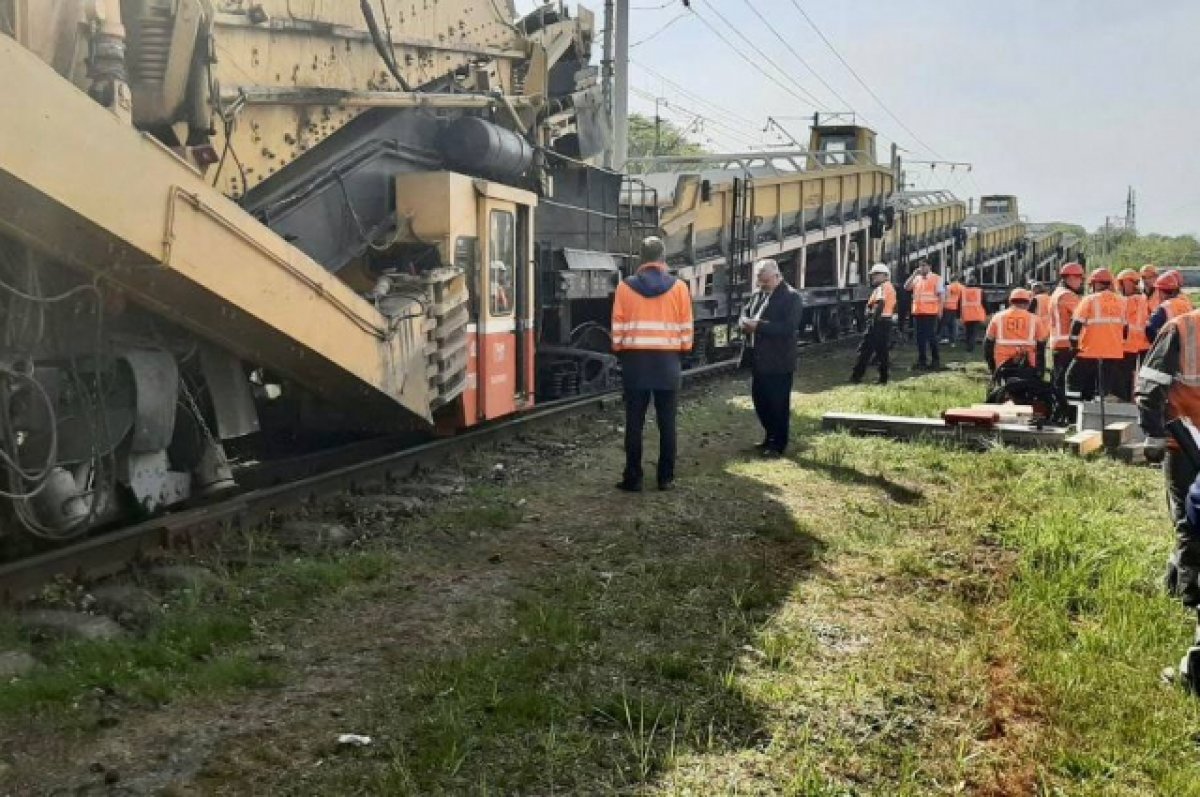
(895, 425)
(1083, 443)
(1118, 434)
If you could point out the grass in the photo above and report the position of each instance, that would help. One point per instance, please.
(862, 617)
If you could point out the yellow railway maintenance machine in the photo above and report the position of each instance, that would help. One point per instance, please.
(820, 212)
(227, 223)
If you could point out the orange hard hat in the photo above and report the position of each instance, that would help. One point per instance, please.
(1169, 281)
(1020, 295)
(1128, 275)
(1102, 275)
(1071, 270)
(1149, 271)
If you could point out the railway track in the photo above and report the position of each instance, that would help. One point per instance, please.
(108, 553)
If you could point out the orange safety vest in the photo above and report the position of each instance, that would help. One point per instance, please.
(1041, 307)
(1016, 330)
(1062, 308)
(925, 295)
(953, 295)
(1183, 397)
(1136, 316)
(972, 305)
(1176, 305)
(652, 323)
(884, 292)
(1103, 317)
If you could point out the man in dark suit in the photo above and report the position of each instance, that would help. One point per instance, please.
(771, 323)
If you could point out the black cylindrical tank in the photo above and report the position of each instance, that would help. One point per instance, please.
(480, 147)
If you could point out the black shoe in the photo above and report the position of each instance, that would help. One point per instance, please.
(669, 484)
(855, 380)
(764, 444)
(919, 367)
(883, 380)
(937, 366)
(629, 487)
(771, 453)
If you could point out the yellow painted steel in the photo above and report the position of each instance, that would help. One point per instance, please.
(87, 190)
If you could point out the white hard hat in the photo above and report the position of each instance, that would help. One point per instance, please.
(880, 268)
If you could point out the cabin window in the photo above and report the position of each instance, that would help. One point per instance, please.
(502, 262)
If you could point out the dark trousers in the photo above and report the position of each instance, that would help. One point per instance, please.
(772, 395)
(971, 333)
(1062, 361)
(950, 325)
(926, 328)
(1124, 372)
(877, 345)
(1088, 377)
(665, 406)
(1179, 474)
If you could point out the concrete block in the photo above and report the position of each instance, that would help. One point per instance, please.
(1118, 433)
(1084, 443)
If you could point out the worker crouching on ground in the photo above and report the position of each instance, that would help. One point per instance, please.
(1016, 337)
(1063, 302)
(771, 323)
(1097, 338)
(927, 293)
(876, 343)
(1136, 342)
(954, 292)
(1168, 387)
(652, 328)
(973, 312)
(1171, 302)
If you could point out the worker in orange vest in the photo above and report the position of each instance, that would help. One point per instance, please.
(950, 311)
(1063, 302)
(1016, 335)
(651, 330)
(973, 312)
(1097, 337)
(927, 294)
(1168, 387)
(881, 316)
(1040, 306)
(1136, 342)
(1149, 274)
(1171, 303)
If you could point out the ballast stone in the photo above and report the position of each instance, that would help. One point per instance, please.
(70, 625)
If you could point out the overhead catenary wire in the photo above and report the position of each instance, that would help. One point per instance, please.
(695, 98)
(729, 131)
(754, 65)
(862, 82)
(662, 29)
(792, 49)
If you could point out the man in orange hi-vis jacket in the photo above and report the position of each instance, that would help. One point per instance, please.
(651, 329)
(1097, 337)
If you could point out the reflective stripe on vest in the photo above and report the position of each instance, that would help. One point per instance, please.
(953, 295)
(1103, 318)
(884, 292)
(1183, 396)
(1014, 331)
(1136, 317)
(1062, 306)
(1176, 306)
(972, 305)
(925, 295)
(1041, 307)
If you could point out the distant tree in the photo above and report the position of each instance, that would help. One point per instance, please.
(1123, 249)
(671, 139)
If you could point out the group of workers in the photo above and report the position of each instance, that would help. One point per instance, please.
(1095, 339)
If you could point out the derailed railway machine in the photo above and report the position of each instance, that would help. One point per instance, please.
(225, 222)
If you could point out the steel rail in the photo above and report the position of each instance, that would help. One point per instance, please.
(109, 553)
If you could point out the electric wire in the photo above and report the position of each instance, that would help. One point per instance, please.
(729, 131)
(792, 49)
(862, 82)
(808, 98)
(661, 29)
(691, 97)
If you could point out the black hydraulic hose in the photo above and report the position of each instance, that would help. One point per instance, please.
(380, 46)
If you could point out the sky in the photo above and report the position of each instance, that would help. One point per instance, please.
(1064, 103)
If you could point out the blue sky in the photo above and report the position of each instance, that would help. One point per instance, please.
(1062, 102)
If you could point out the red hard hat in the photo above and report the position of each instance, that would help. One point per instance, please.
(1071, 270)
(1020, 295)
(1101, 275)
(1169, 281)
(1149, 271)
(1128, 275)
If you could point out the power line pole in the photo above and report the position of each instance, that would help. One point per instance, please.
(606, 77)
(657, 125)
(1131, 211)
(621, 85)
